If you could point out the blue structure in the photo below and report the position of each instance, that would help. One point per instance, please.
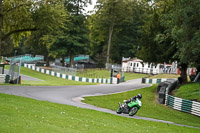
(26, 58)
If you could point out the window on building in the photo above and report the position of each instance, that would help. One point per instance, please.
(142, 64)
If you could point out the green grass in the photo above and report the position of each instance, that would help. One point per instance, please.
(129, 76)
(48, 80)
(103, 73)
(94, 73)
(24, 115)
(150, 106)
(164, 76)
(189, 91)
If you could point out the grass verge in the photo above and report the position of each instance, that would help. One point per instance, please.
(103, 73)
(164, 76)
(150, 106)
(19, 114)
(94, 73)
(189, 91)
(129, 76)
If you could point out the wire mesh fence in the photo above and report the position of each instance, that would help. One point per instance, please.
(114, 66)
(64, 70)
(150, 70)
(14, 71)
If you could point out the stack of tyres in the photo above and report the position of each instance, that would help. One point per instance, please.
(161, 95)
(161, 89)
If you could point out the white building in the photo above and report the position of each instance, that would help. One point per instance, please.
(138, 66)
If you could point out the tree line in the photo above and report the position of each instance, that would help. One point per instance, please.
(153, 30)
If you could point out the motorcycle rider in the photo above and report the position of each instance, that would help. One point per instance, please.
(130, 106)
(139, 96)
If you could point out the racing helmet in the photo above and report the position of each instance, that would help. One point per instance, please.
(139, 96)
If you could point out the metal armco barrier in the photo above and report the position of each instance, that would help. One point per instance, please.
(183, 105)
(153, 81)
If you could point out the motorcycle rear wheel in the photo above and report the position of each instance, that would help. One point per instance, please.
(133, 111)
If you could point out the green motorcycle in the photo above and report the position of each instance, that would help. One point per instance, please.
(130, 108)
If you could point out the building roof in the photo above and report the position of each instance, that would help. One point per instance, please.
(133, 59)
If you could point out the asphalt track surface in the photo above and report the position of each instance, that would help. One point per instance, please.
(72, 95)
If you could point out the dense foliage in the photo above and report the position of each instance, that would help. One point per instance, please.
(18, 19)
(172, 33)
(114, 29)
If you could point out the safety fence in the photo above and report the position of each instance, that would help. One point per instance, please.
(150, 70)
(64, 70)
(70, 77)
(153, 81)
(183, 105)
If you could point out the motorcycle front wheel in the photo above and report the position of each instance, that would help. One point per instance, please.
(133, 111)
(119, 110)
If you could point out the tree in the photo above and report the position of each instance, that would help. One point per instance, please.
(114, 28)
(20, 18)
(174, 34)
(50, 17)
(186, 33)
(108, 14)
(125, 39)
(182, 25)
(65, 39)
(12, 19)
(156, 45)
(74, 38)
